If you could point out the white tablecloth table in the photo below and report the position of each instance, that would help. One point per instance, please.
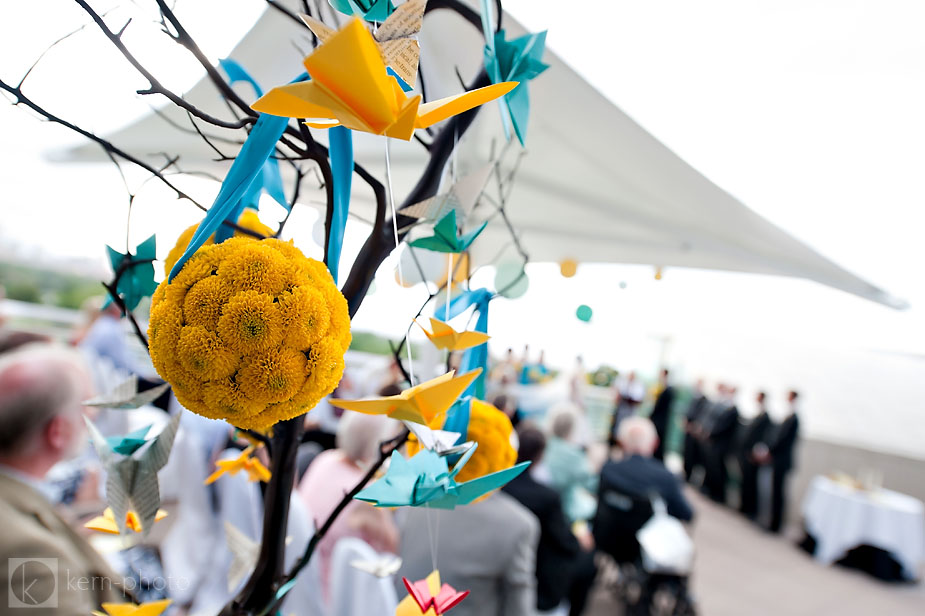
(840, 518)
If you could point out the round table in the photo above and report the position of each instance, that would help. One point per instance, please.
(841, 517)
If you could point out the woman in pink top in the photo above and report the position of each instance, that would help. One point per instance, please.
(334, 473)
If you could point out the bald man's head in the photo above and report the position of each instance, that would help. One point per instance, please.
(41, 389)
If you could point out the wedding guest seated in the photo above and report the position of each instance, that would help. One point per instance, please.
(335, 472)
(41, 424)
(564, 562)
(638, 474)
(570, 472)
(487, 547)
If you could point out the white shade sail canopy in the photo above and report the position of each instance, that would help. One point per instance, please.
(593, 185)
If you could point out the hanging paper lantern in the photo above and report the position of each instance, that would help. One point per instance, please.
(568, 267)
(511, 280)
(584, 313)
(252, 332)
(658, 273)
(622, 284)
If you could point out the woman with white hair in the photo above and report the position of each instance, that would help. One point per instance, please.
(335, 472)
(570, 472)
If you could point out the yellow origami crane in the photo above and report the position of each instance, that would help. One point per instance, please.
(106, 523)
(420, 404)
(396, 38)
(153, 608)
(350, 87)
(252, 466)
(446, 338)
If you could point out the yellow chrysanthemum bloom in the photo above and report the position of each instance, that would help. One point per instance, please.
(252, 332)
(248, 220)
(491, 429)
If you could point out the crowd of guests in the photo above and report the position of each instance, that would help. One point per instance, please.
(717, 438)
(534, 547)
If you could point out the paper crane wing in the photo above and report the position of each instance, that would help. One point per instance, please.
(126, 396)
(469, 491)
(152, 608)
(244, 553)
(419, 404)
(382, 567)
(446, 338)
(430, 593)
(441, 441)
(370, 10)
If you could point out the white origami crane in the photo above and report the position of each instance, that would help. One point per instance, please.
(462, 197)
(441, 441)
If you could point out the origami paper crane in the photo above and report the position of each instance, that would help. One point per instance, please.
(396, 38)
(425, 479)
(462, 197)
(445, 238)
(131, 482)
(255, 470)
(384, 566)
(351, 87)
(420, 404)
(137, 279)
(126, 396)
(429, 593)
(520, 60)
(106, 523)
(444, 337)
(475, 357)
(130, 443)
(244, 553)
(153, 608)
(440, 441)
(370, 10)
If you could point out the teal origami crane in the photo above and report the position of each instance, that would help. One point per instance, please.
(370, 10)
(135, 273)
(519, 59)
(445, 238)
(130, 443)
(425, 480)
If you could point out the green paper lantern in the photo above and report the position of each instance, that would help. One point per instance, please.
(508, 280)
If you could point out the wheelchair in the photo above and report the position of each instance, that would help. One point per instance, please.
(640, 588)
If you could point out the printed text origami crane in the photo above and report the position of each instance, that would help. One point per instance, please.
(350, 86)
(131, 481)
(444, 337)
(425, 479)
(153, 608)
(396, 38)
(255, 470)
(126, 396)
(420, 404)
(106, 523)
(445, 238)
(430, 593)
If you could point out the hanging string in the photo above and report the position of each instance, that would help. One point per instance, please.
(401, 276)
(430, 537)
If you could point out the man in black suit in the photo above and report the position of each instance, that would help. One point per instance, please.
(661, 414)
(755, 434)
(696, 410)
(780, 456)
(718, 433)
(564, 563)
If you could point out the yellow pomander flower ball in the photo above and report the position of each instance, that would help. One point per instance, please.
(252, 332)
(247, 220)
(491, 429)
